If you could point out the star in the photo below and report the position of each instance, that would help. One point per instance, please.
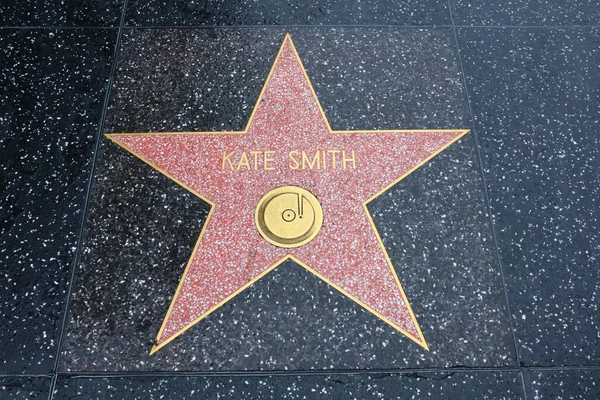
(288, 142)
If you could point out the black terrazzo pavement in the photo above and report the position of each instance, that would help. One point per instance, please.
(453, 385)
(274, 12)
(26, 387)
(536, 103)
(52, 94)
(496, 240)
(525, 13)
(82, 13)
(574, 384)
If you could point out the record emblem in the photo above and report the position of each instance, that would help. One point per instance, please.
(289, 216)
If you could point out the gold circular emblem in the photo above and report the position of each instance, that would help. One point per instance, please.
(288, 216)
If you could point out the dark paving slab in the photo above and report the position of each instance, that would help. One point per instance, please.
(385, 78)
(162, 78)
(535, 99)
(525, 12)
(395, 74)
(24, 388)
(142, 226)
(458, 385)
(573, 384)
(61, 13)
(51, 95)
(274, 12)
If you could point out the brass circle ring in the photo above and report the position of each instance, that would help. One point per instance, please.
(288, 216)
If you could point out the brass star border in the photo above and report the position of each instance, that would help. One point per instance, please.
(289, 80)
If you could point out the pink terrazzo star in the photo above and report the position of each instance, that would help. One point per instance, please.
(288, 120)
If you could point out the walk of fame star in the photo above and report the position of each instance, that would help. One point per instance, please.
(287, 165)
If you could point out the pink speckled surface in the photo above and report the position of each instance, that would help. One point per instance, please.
(231, 252)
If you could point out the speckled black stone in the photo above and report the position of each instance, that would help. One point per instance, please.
(536, 100)
(53, 83)
(385, 78)
(188, 80)
(275, 12)
(142, 226)
(456, 385)
(24, 388)
(572, 384)
(525, 12)
(81, 13)
(209, 79)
